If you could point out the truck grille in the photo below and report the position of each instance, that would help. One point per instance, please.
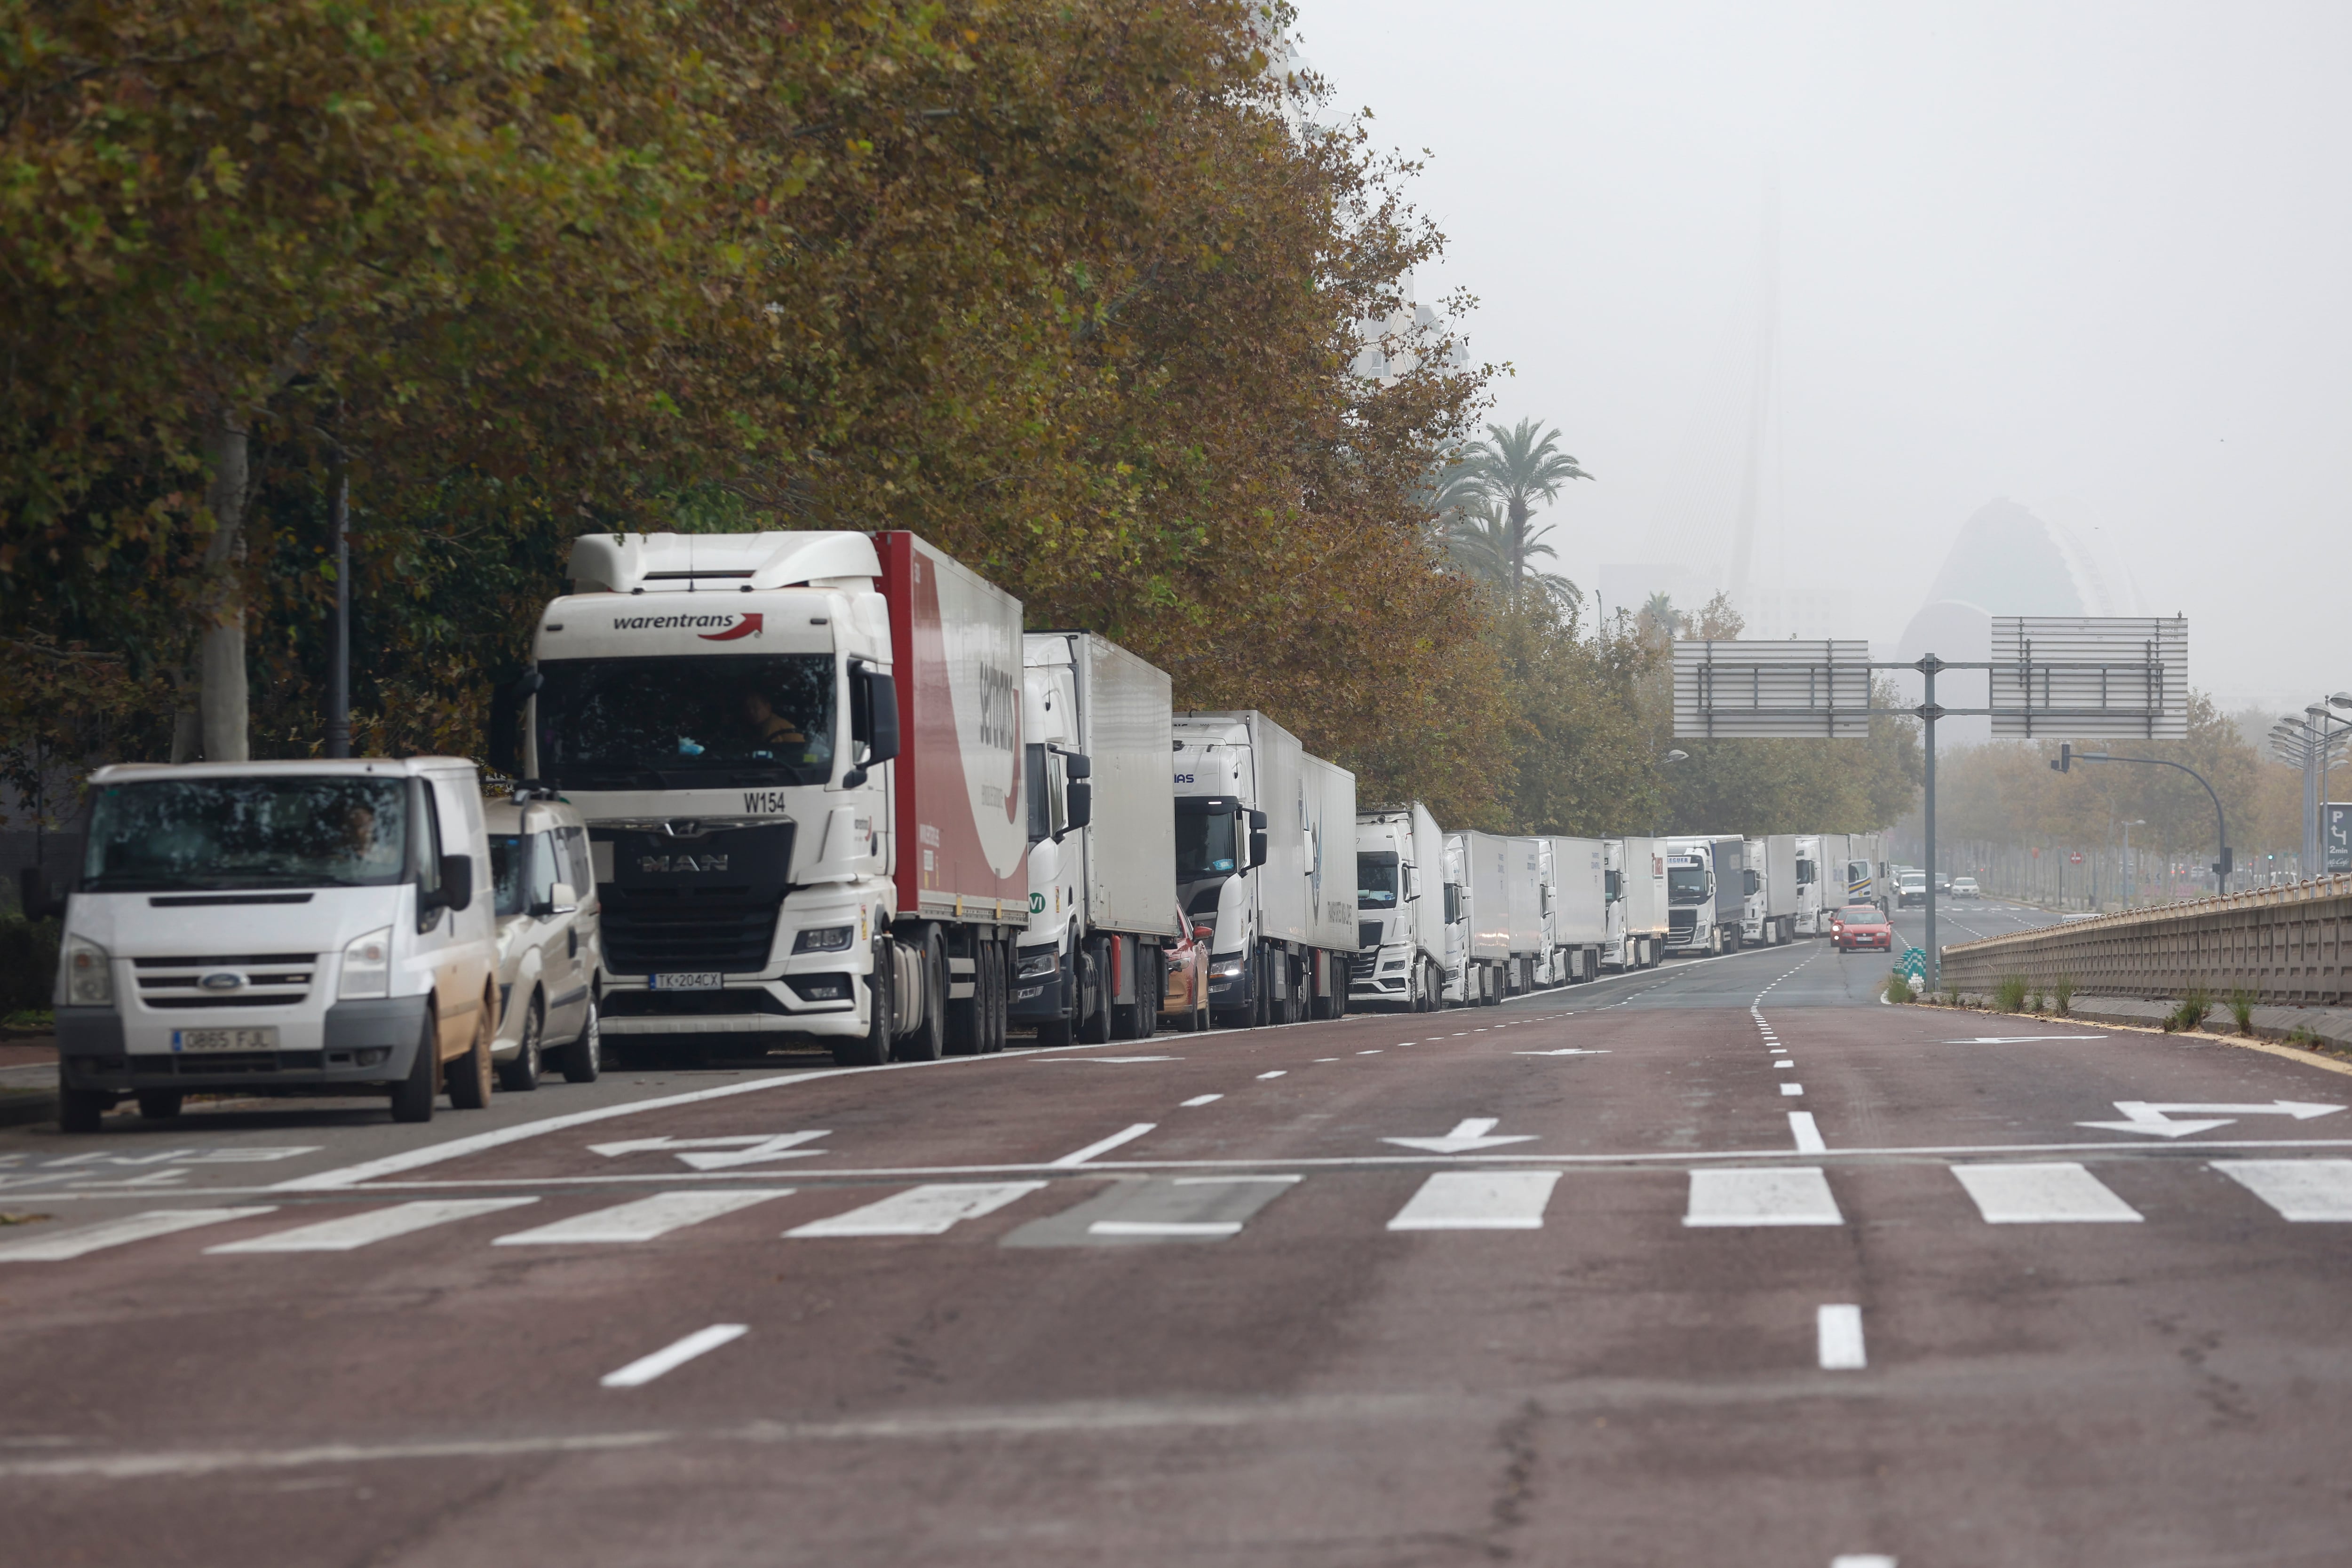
(1681, 923)
(1368, 932)
(654, 930)
(1360, 966)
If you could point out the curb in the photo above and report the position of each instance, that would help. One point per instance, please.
(2146, 1017)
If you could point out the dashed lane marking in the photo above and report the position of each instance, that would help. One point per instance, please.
(670, 1357)
(1105, 1146)
(1198, 1100)
(1837, 1332)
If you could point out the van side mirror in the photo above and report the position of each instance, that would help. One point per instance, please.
(1257, 838)
(456, 890)
(562, 899)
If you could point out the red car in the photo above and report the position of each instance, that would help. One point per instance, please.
(1860, 925)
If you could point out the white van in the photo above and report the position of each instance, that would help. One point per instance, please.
(279, 927)
(550, 941)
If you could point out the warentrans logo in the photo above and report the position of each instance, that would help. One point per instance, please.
(728, 627)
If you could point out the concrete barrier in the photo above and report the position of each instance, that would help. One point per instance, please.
(2286, 946)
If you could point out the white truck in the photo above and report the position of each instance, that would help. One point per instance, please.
(1821, 883)
(1530, 891)
(278, 928)
(1707, 897)
(1265, 839)
(1400, 911)
(1770, 916)
(1634, 873)
(1479, 955)
(1579, 907)
(1869, 879)
(1091, 964)
(799, 758)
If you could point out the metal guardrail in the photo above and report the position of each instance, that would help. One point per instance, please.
(2290, 947)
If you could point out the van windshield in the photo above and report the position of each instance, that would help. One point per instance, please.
(762, 718)
(309, 830)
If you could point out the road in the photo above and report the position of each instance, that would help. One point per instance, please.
(1725, 1263)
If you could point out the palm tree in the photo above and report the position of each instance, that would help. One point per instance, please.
(1485, 497)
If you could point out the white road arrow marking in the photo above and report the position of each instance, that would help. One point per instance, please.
(2155, 1119)
(1566, 1051)
(1472, 1132)
(754, 1148)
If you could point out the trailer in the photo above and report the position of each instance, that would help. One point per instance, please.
(1103, 912)
(1769, 916)
(1579, 907)
(1528, 892)
(1820, 887)
(1635, 873)
(1483, 955)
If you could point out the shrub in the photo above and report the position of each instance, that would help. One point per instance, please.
(1898, 988)
(2242, 1010)
(2033, 1002)
(2009, 996)
(2299, 1035)
(1951, 993)
(2061, 990)
(2194, 1006)
(28, 963)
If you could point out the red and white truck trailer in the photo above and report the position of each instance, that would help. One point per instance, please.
(799, 758)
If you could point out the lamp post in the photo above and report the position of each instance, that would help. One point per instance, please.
(2310, 743)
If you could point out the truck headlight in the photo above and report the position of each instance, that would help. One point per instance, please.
(1040, 965)
(88, 972)
(825, 939)
(367, 967)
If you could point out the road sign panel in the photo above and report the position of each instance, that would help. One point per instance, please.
(2090, 676)
(1735, 690)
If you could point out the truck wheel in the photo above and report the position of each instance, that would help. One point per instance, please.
(159, 1104)
(1094, 1026)
(581, 1059)
(521, 1074)
(990, 979)
(930, 1038)
(79, 1110)
(469, 1075)
(966, 1033)
(873, 1047)
(412, 1097)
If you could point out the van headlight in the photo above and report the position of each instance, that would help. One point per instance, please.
(1040, 965)
(824, 939)
(367, 967)
(1225, 970)
(89, 973)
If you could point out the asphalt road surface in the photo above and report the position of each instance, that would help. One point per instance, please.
(1726, 1263)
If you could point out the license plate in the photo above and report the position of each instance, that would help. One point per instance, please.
(264, 1039)
(702, 981)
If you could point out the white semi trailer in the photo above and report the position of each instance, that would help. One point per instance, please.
(1480, 956)
(1579, 884)
(1868, 878)
(1526, 888)
(1635, 873)
(1400, 902)
(1091, 964)
(1821, 885)
(1264, 848)
(799, 758)
(1769, 879)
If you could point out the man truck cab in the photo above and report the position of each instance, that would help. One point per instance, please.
(278, 928)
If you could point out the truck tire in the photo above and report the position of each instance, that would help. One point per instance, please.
(159, 1104)
(988, 981)
(580, 1061)
(470, 1074)
(1094, 1023)
(967, 1033)
(412, 1097)
(928, 1041)
(521, 1075)
(872, 1049)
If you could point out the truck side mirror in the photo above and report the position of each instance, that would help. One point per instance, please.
(505, 706)
(873, 721)
(1257, 838)
(457, 889)
(1079, 803)
(1077, 765)
(1412, 882)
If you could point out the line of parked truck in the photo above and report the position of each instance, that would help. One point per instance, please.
(822, 788)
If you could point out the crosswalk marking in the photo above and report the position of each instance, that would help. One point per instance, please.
(1792, 1195)
(1837, 1336)
(2060, 1193)
(67, 1244)
(356, 1230)
(2301, 1190)
(927, 1211)
(1478, 1200)
(644, 1220)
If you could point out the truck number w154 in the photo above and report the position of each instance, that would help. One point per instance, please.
(763, 800)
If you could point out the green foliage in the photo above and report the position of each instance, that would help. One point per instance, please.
(1898, 987)
(2062, 991)
(1485, 497)
(2008, 996)
(28, 963)
(2196, 1003)
(2242, 1010)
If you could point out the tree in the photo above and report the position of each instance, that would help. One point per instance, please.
(1486, 494)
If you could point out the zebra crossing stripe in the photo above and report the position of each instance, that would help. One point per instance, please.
(88, 1238)
(927, 1211)
(1478, 1200)
(642, 1220)
(353, 1231)
(2060, 1193)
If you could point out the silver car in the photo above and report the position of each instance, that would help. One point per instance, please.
(550, 943)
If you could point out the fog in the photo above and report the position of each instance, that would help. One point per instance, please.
(2091, 259)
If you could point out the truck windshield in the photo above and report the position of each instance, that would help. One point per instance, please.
(1685, 882)
(1204, 844)
(693, 719)
(1376, 880)
(265, 831)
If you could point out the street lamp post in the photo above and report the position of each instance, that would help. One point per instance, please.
(2311, 743)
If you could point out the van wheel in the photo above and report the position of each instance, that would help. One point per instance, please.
(521, 1074)
(469, 1075)
(581, 1059)
(159, 1104)
(412, 1097)
(79, 1110)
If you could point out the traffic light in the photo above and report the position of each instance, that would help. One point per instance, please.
(2227, 863)
(2064, 761)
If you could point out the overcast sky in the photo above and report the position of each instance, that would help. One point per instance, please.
(2092, 257)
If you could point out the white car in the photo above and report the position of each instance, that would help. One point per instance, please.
(550, 942)
(1965, 887)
